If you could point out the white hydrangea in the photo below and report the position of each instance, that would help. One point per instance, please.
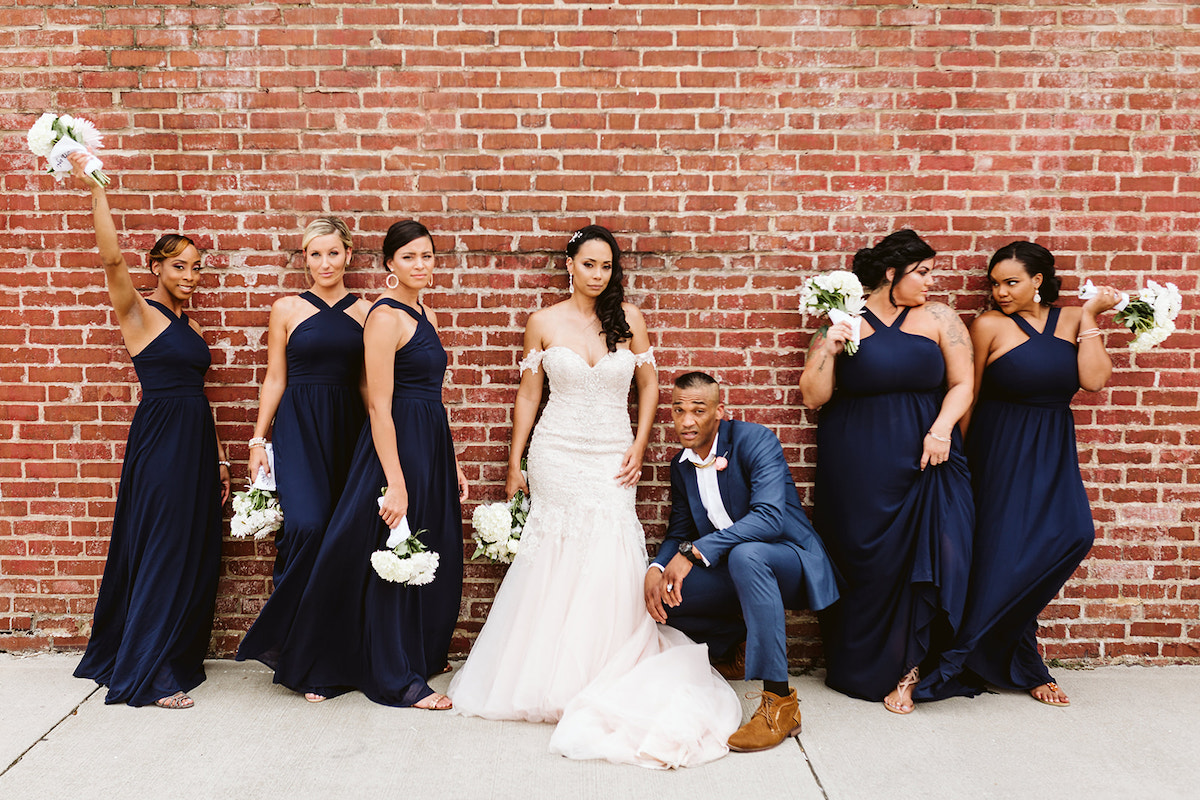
(417, 569)
(492, 522)
(42, 136)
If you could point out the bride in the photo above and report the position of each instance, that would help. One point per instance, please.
(568, 639)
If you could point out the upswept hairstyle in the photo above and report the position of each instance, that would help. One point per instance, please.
(897, 251)
(168, 246)
(400, 234)
(608, 304)
(323, 226)
(1036, 260)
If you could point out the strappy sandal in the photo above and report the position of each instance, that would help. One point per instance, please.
(906, 683)
(177, 700)
(436, 704)
(1052, 686)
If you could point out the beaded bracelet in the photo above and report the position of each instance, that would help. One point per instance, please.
(942, 439)
(224, 464)
(257, 441)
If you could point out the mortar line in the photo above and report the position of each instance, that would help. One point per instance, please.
(53, 727)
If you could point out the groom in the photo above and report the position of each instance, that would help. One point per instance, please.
(737, 539)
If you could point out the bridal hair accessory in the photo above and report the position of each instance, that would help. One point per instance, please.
(575, 237)
(406, 560)
(54, 138)
(388, 281)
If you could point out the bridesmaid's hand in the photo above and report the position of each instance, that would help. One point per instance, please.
(395, 505)
(226, 484)
(514, 482)
(258, 460)
(631, 466)
(836, 337)
(462, 484)
(78, 161)
(1106, 297)
(655, 589)
(936, 451)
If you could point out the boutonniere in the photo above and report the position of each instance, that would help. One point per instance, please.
(721, 463)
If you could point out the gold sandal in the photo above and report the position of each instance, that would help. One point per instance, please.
(907, 682)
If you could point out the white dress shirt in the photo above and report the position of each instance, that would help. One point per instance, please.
(710, 491)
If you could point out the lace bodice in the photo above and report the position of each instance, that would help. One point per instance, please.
(578, 444)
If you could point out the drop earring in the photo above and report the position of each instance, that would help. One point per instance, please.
(570, 282)
(392, 281)
(430, 284)
(1037, 296)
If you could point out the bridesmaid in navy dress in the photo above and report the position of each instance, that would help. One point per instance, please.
(313, 394)
(892, 491)
(354, 630)
(1033, 522)
(154, 613)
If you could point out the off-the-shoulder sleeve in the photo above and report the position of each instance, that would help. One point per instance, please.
(531, 362)
(645, 358)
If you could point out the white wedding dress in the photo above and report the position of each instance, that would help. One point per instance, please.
(568, 638)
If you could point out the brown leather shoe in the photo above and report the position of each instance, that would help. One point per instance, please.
(733, 666)
(776, 719)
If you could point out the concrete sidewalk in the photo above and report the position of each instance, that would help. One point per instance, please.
(1132, 732)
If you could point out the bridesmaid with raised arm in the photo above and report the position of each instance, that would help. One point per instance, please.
(353, 629)
(155, 610)
(892, 491)
(313, 395)
(1033, 522)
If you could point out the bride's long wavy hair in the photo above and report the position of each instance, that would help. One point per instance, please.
(608, 304)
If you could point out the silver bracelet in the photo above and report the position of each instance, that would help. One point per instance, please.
(941, 439)
(1090, 333)
(257, 441)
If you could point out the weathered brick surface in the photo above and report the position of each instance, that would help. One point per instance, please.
(736, 146)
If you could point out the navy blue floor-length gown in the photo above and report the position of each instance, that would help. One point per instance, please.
(899, 537)
(1033, 522)
(316, 429)
(354, 630)
(154, 612)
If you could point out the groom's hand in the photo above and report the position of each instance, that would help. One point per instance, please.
(655, 586)
(677, 569)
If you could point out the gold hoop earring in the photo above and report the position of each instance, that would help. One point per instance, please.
(388, 281)
(430, 284)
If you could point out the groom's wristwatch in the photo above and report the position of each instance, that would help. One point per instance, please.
(687, 551)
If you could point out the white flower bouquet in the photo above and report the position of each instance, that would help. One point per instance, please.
(407, 560)
(498, 528)
(838, 294)
(256, 511)
(55, 137)
(1151, 315)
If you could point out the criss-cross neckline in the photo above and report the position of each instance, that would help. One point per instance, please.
(872, 318)
(319, 302)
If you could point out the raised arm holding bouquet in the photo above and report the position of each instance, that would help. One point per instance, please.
(154, 614)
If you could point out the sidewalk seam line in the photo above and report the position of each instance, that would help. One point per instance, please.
(53, 727)
(812, 769)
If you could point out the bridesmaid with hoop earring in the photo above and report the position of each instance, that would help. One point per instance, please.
(353, 629)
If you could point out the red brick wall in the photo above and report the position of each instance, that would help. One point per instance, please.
(735, 147)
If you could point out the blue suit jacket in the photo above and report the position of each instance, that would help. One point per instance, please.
(761, 499)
